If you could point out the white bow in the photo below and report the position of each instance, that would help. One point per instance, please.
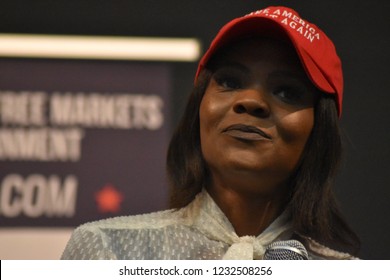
(245, 248)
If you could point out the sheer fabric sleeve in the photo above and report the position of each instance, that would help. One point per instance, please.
(87, 244)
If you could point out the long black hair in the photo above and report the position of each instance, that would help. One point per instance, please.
(314, 209)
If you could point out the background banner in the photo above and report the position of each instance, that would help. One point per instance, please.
(81, 140)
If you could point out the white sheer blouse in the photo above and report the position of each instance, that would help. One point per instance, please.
(199, 231)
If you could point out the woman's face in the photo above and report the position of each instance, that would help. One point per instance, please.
(256, 115)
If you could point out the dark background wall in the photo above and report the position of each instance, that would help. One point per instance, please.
(359, 29)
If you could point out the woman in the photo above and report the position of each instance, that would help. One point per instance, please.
(253, 159)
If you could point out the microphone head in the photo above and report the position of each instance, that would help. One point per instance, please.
(286, 250)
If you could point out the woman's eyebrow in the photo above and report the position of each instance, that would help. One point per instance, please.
(285, 74)
(232, 65)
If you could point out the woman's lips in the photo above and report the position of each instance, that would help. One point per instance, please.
(246, 132)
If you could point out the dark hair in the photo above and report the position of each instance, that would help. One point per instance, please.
(186, 168)
(314, 210)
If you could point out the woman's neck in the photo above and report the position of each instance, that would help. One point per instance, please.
(249, 213)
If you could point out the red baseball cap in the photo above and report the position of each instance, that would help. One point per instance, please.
(315, 50)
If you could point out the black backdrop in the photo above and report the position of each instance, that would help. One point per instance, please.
(360, 30)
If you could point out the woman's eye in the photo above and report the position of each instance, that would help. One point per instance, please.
(228, 82)
(290, 95)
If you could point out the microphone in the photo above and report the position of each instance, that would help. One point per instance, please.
(286, 250)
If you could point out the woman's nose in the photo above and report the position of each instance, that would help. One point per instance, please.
(253, 102)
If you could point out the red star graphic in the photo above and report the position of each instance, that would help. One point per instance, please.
(108, 199)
